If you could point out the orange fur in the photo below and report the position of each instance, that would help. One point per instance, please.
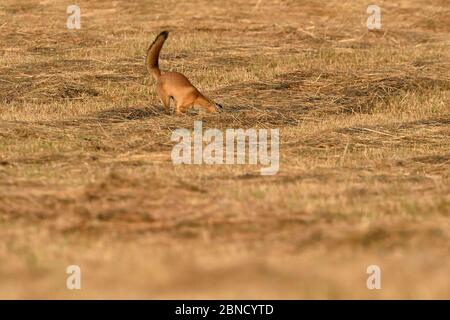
(174, 85)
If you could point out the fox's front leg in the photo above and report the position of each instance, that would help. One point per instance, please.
(178, 108)
(163, 96)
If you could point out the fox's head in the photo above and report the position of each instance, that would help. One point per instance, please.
(214, 107)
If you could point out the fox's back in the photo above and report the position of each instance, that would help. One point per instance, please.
(175, 80)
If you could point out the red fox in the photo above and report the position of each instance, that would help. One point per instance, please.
(174, 85)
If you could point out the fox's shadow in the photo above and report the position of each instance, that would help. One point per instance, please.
(139, 113)
(131, 113)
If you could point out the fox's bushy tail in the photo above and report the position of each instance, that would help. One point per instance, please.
(153, 54)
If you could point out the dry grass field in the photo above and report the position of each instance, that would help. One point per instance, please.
(86, 176)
